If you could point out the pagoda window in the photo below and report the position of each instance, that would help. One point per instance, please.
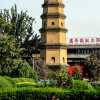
(52, 23)
(62, 24)
(53, 59)
(63, 60)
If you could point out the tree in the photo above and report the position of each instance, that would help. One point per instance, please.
(20, 25)
(93, 66)
(61, 76)
(11, 63)
(31, 46)
(17, 24)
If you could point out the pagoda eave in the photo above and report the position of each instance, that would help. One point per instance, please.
(53, 46)
(53, 5)
(42, 30)
(53, 15)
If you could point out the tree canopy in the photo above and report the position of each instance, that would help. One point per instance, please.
(16, 37)
(20, 25)
(17, 24)
(93, 66)
(11, 63)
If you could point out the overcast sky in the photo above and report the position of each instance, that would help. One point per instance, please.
(83, 16)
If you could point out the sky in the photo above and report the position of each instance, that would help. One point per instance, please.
(83, 16)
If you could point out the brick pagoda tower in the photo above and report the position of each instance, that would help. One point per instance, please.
(53, 33)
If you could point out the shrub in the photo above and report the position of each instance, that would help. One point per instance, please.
(82, 85)
(46, 94)
(5, 82)
(21, 79)
(61, 77)
(47, 83)
(52, 83)
(25, 70)
(24, 82)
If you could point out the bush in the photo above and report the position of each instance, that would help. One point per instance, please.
(5, 82)
(46, 94)
(21, 79)
(24, 82)
(62, 77)
(25, 90)
(52, 83)
(82, 85)
(47, 83)
(24, 70)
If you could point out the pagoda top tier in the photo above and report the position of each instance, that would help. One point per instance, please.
(53, 2)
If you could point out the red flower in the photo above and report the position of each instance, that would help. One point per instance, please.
(71, 70)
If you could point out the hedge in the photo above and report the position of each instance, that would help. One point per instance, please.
(26, 89)
(47, 93)
(6, 82)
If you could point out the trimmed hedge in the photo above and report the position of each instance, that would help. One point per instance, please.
(6, 82)
(28, 89)
(24, 82)
(47, 94)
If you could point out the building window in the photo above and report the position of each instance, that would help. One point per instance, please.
(52, 23)
(53, 59)
(63, 60)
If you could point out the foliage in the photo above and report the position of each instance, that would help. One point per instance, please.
(8, 82)
(4, 82)
(52, 83)
(47, 94)
(93, 66)
(82, 85)
(24, 82)
(16, 24)
(47, 83)
(20, 26)
(31, 46)
(73, 72)
(24, 70)
(9, 54)
(61, 76)
(26, 89)
(11, 63)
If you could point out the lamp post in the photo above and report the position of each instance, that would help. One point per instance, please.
(33, 60)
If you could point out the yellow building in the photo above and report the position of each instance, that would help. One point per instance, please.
(53, 33)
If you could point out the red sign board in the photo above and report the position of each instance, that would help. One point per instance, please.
(84, 40)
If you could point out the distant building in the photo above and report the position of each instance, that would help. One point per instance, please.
(81, 48)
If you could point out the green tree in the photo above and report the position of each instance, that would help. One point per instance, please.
(11, 63)
(17, 24)
(93, 66)
(61, 76)
(31, 46)
(20, 25)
